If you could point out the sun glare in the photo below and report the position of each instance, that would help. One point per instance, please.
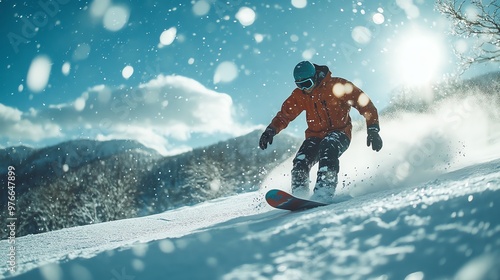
(418, 58)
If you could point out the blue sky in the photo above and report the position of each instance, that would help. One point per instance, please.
(181, 74)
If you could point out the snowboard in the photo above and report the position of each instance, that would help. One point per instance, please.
(283, 200)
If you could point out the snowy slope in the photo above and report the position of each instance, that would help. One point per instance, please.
(447, 228)
(425, 207)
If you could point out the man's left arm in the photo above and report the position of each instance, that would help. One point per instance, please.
(361, 102)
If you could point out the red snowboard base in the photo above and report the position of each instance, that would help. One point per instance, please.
(283, 200)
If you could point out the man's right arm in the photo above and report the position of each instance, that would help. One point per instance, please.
(290, 109)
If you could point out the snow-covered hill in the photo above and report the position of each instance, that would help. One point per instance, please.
(83, 182)
(34, 166)
(72, 153)
(447, 228)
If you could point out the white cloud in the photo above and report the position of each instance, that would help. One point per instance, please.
(17, 126)
(155, 113)
(9, 114)
(144, 135)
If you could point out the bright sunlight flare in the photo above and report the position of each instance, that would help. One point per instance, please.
(418, 58)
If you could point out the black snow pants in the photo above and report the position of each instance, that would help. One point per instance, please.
(324, 151)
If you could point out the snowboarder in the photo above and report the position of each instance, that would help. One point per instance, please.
(327, 101)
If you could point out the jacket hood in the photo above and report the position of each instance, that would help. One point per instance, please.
(321, 72)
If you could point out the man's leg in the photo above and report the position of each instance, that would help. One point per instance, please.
(330, 149)
(305, 158)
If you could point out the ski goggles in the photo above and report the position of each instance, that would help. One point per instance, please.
(306, 84)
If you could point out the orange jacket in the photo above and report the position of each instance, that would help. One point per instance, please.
(327, 106)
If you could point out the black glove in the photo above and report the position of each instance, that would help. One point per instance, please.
(267, 137)
(374, 138)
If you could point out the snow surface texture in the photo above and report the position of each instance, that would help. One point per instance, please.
(447, 228)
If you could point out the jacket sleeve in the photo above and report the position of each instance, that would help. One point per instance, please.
(291, 108)
(361, 102)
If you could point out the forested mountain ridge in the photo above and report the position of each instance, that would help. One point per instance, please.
(84, 181)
